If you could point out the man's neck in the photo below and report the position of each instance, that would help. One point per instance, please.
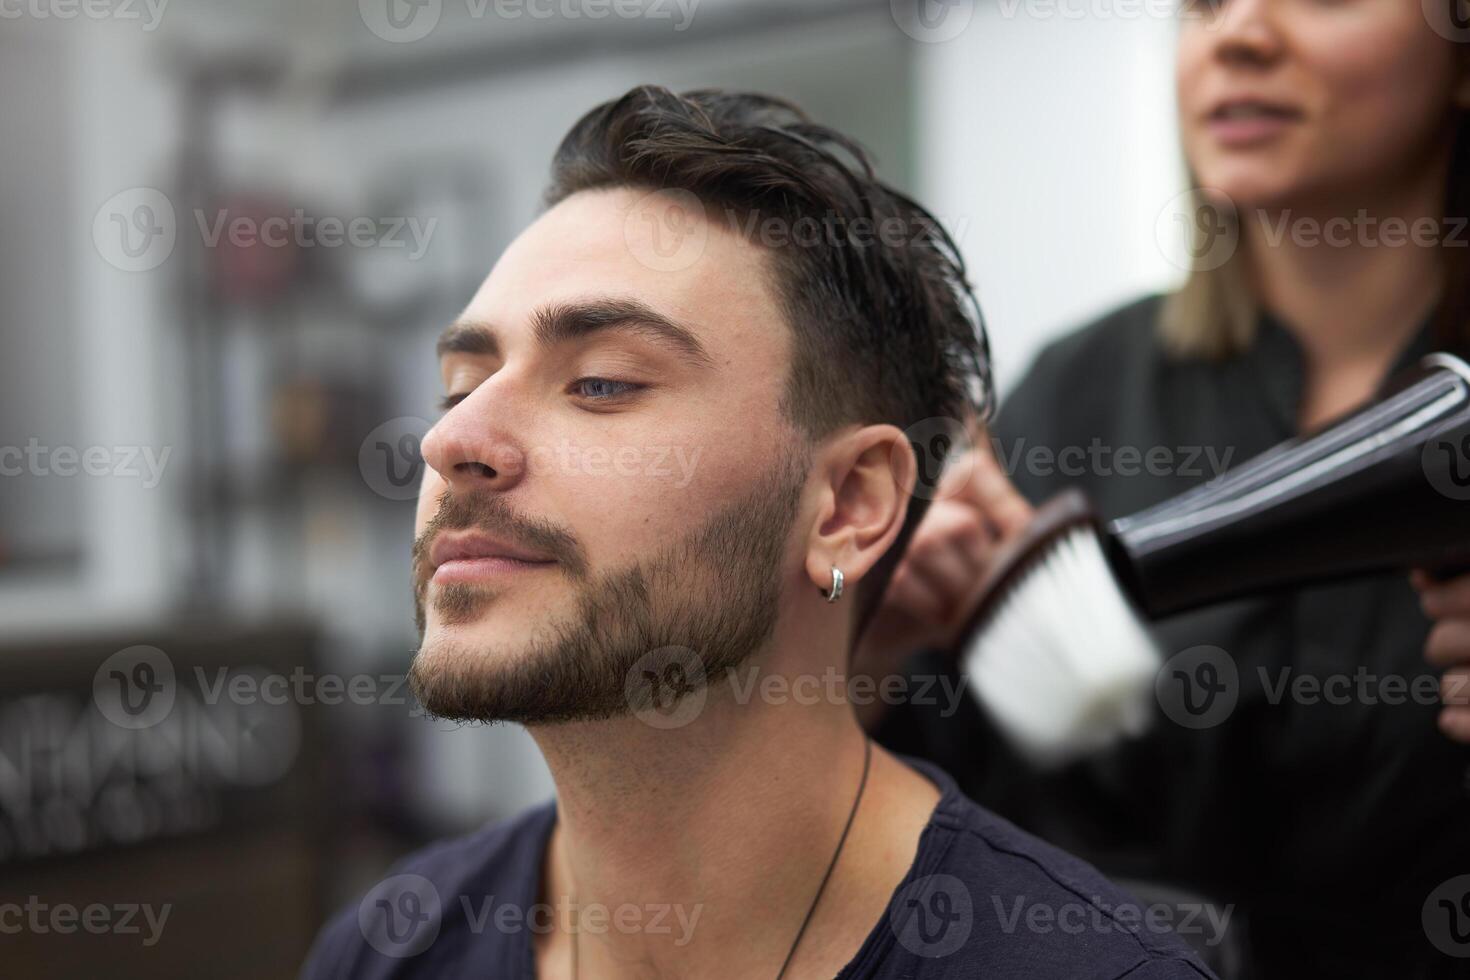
(723, 828)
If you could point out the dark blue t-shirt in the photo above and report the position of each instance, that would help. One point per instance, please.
(982, 899)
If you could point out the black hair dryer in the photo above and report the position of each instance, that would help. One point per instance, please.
(1386, 487)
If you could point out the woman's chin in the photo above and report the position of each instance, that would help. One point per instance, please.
(1249, 188)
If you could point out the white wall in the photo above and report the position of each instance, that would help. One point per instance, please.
(111, 117)
(1050, 144)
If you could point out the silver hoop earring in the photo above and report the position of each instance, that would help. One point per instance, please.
(834, 593)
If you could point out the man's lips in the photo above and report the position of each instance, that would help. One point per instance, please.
(478, 569)
(462, 556)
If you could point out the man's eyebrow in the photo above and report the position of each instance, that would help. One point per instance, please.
(555, 324)
(570, 321)
(468, 337)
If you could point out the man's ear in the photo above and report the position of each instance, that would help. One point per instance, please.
(866, 477)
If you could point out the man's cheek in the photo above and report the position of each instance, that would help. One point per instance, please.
(429, 491)
(632, 515)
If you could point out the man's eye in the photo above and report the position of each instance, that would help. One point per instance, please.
(603, 388)
(594, 389)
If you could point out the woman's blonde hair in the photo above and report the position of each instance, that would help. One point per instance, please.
(1213, 314)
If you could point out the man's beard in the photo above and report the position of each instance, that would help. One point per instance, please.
(713, 596)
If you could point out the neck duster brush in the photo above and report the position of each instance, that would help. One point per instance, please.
(1057, 646)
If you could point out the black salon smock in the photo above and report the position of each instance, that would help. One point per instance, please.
(1326, 825)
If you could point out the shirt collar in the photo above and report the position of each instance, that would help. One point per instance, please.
(1277, 365)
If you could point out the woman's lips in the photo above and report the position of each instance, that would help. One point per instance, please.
(481, 569)
(1242, 125)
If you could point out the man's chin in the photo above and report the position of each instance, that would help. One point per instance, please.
(500, 668)
(458, 674)
(498, 635)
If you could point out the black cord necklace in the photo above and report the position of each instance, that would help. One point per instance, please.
(862, 785)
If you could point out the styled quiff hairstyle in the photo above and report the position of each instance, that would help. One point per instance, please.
(886, 328)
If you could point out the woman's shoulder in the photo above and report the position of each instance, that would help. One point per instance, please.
(1079, 375)
(1104, 388)
(1126, 334)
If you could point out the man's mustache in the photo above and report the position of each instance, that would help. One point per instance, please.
(489, 512)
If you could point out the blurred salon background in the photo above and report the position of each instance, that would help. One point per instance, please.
(232, 233)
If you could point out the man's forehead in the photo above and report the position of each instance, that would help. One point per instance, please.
(597, 245)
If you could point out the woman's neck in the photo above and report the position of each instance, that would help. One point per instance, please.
(1352, 284)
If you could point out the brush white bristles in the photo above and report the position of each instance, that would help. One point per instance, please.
(1064, 665)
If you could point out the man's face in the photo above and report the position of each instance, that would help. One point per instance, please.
(616, 476)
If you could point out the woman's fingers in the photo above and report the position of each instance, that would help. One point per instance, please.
(990, 491)
(1442, 599)
(943, 561)
(914, 597)
(1454, 691)
(1449, 643)
(1448, 604)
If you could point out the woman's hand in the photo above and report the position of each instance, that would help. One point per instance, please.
(976, 509)
(1448, 604)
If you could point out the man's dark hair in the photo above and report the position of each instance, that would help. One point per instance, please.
(886, 327)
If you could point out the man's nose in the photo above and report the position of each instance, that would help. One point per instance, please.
(471, 447)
